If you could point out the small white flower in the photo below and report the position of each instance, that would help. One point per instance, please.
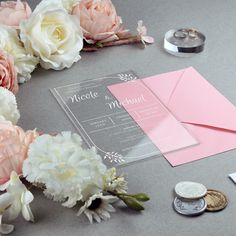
(52, 35)
(114, 183)
(17, 198)
(8, 106)
(97, 207)
(25, 62)
(68, 171)
(142, 32)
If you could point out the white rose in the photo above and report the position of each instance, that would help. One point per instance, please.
(53, 35)
(67, 4)
(25, 62)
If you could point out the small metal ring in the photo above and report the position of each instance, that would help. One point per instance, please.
(192, 33)
(180, 34)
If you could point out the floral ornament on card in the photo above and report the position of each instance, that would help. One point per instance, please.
(126, 77)
(114, 157)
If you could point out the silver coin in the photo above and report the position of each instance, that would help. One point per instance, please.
(190, 190)
(190, 207)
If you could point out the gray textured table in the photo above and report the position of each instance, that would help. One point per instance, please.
(218, 65)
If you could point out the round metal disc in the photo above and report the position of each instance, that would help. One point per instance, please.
(189, 207)
(216, 200)
(190, 190)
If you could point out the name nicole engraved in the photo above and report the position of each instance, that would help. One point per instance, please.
(83, 97)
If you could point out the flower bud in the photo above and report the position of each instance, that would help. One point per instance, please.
(141, 197)
(132, 203)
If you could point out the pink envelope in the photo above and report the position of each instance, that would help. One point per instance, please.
(203, 110)
(165, 131)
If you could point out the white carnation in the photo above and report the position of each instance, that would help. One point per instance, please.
(53, 35)
(64, 167)
(8, 106)
(25, 62)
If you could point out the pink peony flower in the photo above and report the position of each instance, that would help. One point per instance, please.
(13, 12)
(8, 74)
(98, 20)
(14, 144)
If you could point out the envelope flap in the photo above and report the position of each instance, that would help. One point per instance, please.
(164, 85)
(196, 101)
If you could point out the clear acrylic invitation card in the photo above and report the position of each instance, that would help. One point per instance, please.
(104, 123)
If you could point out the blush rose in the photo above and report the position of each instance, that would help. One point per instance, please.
(98, 19)
(13, 12)
(8, 74)
(14, 144)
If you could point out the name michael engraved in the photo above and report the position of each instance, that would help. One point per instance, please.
(127, 101)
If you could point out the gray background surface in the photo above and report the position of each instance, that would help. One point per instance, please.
(218, 65)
